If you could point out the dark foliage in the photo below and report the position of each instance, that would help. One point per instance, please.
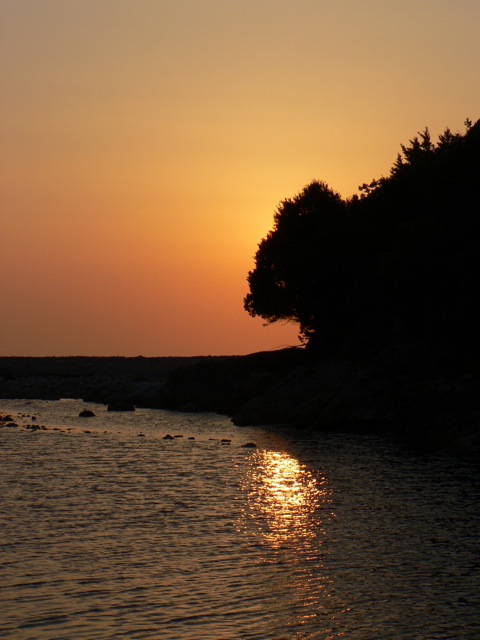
(400, 262)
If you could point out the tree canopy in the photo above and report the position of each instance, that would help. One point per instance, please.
(401, 261)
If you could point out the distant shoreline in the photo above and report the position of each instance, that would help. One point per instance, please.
(94, 378)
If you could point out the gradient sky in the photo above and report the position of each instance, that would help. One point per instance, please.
(145, 144)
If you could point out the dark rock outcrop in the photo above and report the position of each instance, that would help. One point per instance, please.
(225, 384)
(409, 391)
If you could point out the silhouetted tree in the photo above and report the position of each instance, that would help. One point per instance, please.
(400, 262)
(426, 218)
(298, 264)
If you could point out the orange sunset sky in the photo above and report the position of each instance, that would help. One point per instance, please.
(145, 144)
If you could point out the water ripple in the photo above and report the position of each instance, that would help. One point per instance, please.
(108, 535)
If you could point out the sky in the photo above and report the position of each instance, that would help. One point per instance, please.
(145, 145)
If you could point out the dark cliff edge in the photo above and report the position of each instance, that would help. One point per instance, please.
(406, 390)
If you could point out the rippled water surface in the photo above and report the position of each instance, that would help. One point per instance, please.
(119, 533)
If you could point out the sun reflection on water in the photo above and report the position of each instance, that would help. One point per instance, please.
(287, 512)
(285, 498)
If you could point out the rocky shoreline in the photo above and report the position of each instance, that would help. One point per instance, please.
(404, 391)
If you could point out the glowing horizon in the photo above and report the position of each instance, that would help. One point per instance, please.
(146, 145)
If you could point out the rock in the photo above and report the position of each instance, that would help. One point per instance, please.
(120, 405)
(86, 413)
(249, 445)
(303, 393)
(168, 437)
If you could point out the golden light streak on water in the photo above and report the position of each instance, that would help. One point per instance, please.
(288, 509)
(283, 498)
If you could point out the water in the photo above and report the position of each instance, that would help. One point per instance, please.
(113, 534)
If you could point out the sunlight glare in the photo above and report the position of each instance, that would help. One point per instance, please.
(284, 498)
